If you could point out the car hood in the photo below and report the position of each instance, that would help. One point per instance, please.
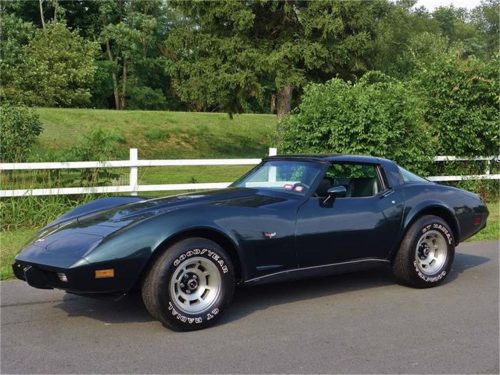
(65, 241)
(108, 220)
(69, 238)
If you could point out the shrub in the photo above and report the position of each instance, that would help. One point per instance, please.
(460, 98)
(143, 97)
(19, 128)
(378, 116)
(98, 145)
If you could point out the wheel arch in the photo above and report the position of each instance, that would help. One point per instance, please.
(212, 234)
(436, 209)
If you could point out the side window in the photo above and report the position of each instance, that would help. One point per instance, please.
(410, 177)
(360, 180)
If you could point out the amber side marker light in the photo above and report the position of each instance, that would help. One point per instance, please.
(102, 274)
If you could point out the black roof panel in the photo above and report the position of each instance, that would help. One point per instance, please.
(331, 157)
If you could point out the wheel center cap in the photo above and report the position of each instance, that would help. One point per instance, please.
(192, 284)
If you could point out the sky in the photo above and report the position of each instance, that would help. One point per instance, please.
(431, 4)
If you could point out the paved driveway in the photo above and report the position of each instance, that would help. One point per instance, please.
(357, 323)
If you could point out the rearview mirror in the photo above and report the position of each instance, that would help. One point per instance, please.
(337, 191)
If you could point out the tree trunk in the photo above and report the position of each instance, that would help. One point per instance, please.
(41, 13)
(284, 101)
(113, 76)
(56, 9)
(273, 103)
(124, 84)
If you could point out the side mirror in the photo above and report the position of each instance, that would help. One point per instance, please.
(337, 191)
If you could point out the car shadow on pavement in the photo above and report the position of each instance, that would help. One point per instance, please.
(247, 300)
(462, 263)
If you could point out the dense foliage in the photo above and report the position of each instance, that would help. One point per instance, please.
(56, 70)
(461, 98)
(228, 53)
(19, 129)
(376, 116)
(229, 56)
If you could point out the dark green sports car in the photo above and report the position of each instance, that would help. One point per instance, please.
(289, 217)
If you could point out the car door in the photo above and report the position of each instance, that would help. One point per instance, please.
(363, 224)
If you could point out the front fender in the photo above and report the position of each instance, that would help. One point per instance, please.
(138, 242)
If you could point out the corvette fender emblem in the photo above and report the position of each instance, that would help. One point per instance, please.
(269, 234)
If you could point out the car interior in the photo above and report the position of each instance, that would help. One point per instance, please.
(358, 180)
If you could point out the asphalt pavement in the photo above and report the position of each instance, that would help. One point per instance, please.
(356, 323)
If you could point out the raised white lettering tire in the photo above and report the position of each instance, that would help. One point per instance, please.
(426, 253)
(190, 285)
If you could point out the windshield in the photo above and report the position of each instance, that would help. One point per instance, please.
(285, 175)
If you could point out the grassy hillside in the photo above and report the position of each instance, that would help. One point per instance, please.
(156, 135)
(163, 135)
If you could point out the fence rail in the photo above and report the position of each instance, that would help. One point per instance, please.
(134, 163)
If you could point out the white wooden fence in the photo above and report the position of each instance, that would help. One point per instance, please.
(134, 163)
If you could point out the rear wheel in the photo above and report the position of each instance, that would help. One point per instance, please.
(426, 253)
(189, 285)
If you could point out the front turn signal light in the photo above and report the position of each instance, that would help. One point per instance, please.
(102, 274)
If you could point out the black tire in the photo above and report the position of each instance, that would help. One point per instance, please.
(427, 237)
(194, 268)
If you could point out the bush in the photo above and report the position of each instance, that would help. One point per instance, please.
(460, 98)
(377, 116)
(19, 128)
(143, 97)
(98, 145)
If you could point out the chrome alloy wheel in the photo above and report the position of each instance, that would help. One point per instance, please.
(431, 252)
(195, 285)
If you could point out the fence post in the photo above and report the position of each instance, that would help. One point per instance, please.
(133, 172)
(488, 167)
(272, 170)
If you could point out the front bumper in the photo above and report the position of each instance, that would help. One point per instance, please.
(81, 279)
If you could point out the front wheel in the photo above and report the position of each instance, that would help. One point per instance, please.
(190, 285)
(426, 253)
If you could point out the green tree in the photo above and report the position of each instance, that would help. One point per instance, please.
(394, 36)
(455, 25)
(376, 116)
(224, 54)
(15, 34)
(57, 70)
(130, 32)
(486, 19)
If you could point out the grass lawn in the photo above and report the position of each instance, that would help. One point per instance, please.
(12, 241)
(162, 134)
(492, 230)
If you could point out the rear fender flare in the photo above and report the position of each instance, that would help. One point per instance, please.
(431, 207)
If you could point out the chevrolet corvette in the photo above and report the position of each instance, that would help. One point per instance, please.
(289, 217)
